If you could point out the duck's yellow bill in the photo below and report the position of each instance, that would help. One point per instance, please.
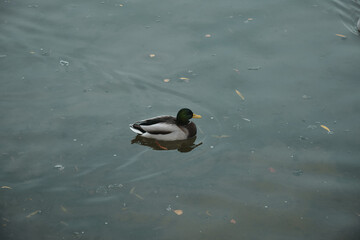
(196, 116)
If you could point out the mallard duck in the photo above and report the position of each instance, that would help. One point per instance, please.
(167, 128)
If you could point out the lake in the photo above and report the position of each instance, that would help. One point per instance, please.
(277, 152)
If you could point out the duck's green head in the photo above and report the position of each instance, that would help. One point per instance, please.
(184, 115)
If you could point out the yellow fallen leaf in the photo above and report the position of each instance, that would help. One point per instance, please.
(240, 95)
(208, 213)
(152, 55)
(132, 191)
(325, 127)
(166, 80)
(340, 35)
(33, 213)
(63, 208)
(178, 212)
(6, 187)
(138, 196)
(32, 52)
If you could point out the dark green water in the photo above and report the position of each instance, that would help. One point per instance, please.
(75, 73)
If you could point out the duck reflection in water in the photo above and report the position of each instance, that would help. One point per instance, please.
(180, 145)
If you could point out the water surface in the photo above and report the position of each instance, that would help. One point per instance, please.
(74, 74)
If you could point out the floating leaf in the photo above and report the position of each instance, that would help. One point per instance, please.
(254, 68)
(152, 55)
(166, 80)
(178, 212)
(64, 223)
(6, 187)
(325, 127)
(208, 35)
(138, 196)
(340, 35)
(162, 147)
(240, 95)
(208, 213)
(33, 213)
(272, 170)
(132, 191)
(221, 136)
(63, 208)
(233, 221)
